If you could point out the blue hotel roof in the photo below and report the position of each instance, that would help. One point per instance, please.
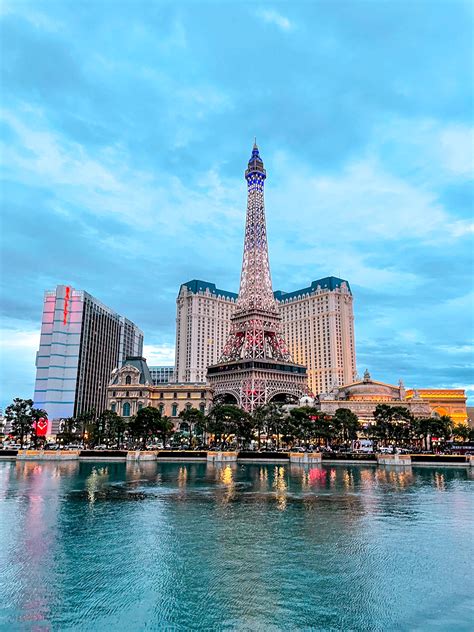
(327, 283)
(196, 286)
(330, 283)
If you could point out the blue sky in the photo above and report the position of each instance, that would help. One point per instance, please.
(126, 127)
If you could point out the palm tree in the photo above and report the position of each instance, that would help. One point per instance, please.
(85, 422)
(462, 431)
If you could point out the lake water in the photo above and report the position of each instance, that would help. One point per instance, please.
(90, 546)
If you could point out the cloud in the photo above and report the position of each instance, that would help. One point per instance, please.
(270, 16)
(126, 135)
(19, 341)
(157, 355)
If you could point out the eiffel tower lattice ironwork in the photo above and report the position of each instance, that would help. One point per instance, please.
(256, 365)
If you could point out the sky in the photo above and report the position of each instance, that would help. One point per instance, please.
(126, 128)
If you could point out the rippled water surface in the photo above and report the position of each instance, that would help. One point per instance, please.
(88, 546)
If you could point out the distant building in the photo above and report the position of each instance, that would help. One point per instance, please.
(162, 374)
(317, 324)
(363, 396)
(444, 401)
(3, 424)
(81, 341)
(470, 416)
(131, 388)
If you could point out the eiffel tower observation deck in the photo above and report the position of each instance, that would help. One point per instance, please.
(256, 366)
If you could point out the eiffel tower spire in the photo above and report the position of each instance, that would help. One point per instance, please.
(256, 365)
(255, 280)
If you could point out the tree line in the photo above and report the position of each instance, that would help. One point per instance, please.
(227, 425)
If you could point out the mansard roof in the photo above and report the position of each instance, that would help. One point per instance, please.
(195, 286)
(330, 283)
(139, 363)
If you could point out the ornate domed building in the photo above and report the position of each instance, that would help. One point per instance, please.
(363, 396)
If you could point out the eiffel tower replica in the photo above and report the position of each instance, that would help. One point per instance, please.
(256, 366)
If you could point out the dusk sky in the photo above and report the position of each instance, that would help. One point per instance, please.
(126, 128)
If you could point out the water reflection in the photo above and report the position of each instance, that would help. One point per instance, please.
(225, 476)
(281, 487)
(182, 476)
(96, 483)
(252, 540)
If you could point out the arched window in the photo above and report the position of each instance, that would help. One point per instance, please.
(128, 380)
(126, 409)
(113, 407)
(140, 405)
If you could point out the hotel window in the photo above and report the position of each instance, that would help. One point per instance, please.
(174, 410)
(140, 405)
(161, 395)
(113, 407)
(128, 380)
(126, 409)
(175, 395)
(202, 407)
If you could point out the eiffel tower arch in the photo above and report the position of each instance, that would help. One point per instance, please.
(256, 366)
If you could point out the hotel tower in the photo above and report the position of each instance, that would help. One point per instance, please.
(317, 324)
(81, 342)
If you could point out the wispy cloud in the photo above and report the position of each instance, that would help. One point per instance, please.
(157, 355)
(270, 16)
(125, 137)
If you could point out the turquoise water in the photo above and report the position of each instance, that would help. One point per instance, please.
(247, 547)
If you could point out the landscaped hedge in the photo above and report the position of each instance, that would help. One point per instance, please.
(264, 455)
(438, 458)
(195, 454)
(104, 453)
(348, 456)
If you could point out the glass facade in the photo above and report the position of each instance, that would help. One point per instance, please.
(81, 342)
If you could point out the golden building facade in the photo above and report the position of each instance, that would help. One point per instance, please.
(362, 398)
(443, 401)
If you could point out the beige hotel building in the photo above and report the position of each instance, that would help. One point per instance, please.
(317, 321)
